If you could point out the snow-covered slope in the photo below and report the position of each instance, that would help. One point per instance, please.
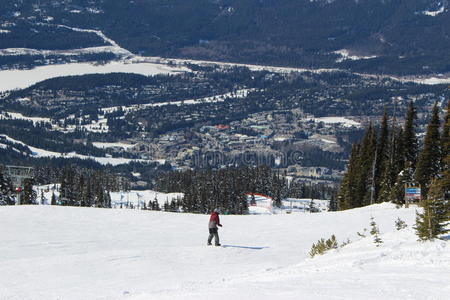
(86, 253)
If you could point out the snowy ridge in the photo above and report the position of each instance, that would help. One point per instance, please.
(435, 12)
(345, 55)
(212, 99)
(131, 63)
(37, 152)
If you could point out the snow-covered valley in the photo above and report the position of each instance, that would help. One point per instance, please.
(84, 253)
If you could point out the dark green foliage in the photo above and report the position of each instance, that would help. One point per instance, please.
(5, 188)
(53, 200)
(356, 188)
(429, 163)
(323, 246)
(28, 195)
(375, 232)
(400, 224)
(83, 187)
(382, 156)
(435, 218)
(290, 32)
(410, 143)
(226, 189)
(381, 174)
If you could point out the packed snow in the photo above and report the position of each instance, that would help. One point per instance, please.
(6, 115)
(337, 120)
(103, 145)
(434, 13)
(345, 55)
(87, 253)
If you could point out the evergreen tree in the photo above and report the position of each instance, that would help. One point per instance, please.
(429, 163)
(445, 139)
(434, 219)
(404, 178)
(347, 198)
(375, 232)
(382, 156)
(365, 168)
(29, 195)
(5, 189)
(409, 137)
(53, 201)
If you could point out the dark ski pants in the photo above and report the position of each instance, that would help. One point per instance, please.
(213, 233)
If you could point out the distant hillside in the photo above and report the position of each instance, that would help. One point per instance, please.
(390, 36)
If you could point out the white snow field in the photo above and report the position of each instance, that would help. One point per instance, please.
(86, 253)
(19, 79)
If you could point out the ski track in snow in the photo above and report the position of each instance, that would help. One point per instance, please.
(86, 253)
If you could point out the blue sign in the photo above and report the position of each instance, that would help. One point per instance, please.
(413, 193)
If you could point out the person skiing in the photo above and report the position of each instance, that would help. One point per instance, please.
(214, 221)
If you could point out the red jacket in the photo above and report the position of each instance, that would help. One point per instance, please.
(214, 220)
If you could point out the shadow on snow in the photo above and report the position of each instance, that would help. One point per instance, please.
(243, 247)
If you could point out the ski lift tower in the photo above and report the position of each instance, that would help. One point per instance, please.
(18, 175)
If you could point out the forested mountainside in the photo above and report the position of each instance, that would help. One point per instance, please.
(391, 36)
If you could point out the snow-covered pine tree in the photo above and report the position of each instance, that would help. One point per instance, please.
(5, 188)
(29, 195)
(429, 163)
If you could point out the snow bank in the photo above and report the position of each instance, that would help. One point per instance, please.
(86, 253)
(337, 120)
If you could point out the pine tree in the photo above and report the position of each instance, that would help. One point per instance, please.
(5, 189)
(404, 178)
(445, 139)
(53, 201)
(375, 232)
(382, 156)
(366, 164)
(434, 219)
(29, 195)
(347, 197)
(409, 137)
(429, 163)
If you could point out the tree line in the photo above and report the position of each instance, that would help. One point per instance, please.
(390, 158)
(229, 188)
(78, 187)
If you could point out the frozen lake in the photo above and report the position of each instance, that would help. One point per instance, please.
(19, 79)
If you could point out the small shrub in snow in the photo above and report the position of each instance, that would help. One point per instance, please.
(375, 232)
(400, 224)
(363, 234)
(323, 245)
(345, 243)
